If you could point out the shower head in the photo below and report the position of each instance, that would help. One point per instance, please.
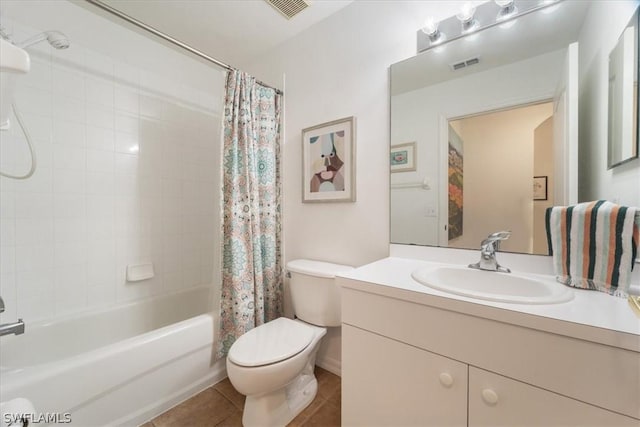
(55, 39)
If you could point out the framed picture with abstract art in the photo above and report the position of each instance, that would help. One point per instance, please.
(403, 157)
(328, 162)
(539, 188)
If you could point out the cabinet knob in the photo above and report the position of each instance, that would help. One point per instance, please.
(489, 396)
(446, 379)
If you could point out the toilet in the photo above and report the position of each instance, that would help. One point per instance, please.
(273, 363)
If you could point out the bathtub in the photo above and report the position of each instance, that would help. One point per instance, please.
(120, 366)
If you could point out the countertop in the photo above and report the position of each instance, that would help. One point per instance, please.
(590, 315)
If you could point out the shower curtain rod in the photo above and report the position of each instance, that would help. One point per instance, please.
(168, 38)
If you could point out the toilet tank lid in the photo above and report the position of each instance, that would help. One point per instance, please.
(317, 268)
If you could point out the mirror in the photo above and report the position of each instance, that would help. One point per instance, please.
(623, 97)
(474, 111)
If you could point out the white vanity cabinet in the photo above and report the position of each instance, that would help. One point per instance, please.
(424, 360)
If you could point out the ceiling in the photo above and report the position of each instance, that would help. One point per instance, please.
(232, 31)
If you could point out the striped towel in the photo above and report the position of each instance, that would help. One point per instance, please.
(594, 245)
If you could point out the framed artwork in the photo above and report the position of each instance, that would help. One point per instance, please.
(539, 188)
(403, 157)
(328, 162)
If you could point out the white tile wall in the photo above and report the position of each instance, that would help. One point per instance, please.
(127, 173)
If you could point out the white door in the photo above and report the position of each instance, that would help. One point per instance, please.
(565, 131)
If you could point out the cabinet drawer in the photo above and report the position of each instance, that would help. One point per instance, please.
(498, 401)
(388, 383)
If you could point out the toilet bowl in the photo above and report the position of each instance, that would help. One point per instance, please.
(273, 364)
(278, 381)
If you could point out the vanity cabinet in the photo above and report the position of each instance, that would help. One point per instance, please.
(407, 363)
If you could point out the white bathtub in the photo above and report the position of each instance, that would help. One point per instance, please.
(121, 366)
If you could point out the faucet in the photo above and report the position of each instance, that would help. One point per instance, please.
(488, 249)
(15, 328)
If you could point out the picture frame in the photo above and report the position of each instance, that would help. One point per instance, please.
(539, 188)
(328, 162)
(402, 157)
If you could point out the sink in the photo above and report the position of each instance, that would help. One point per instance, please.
(493, 286)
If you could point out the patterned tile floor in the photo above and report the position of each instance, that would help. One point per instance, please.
(222, 405)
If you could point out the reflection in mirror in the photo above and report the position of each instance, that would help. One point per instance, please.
(623, 97)
(475, 129)
(493, 158)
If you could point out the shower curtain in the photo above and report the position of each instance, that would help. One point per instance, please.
(252, 273)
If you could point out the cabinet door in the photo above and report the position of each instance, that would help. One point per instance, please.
(495, 400)
(389, 383)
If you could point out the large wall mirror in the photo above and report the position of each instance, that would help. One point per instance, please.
(491, 120)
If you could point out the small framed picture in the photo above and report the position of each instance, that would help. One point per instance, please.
(403, 157)
(539, 188)
(328, 162)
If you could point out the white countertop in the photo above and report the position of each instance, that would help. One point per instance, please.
(590, 315)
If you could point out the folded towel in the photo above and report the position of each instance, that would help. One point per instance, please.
(594, 245)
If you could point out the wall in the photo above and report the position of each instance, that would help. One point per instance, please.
(499, 155)
(596, 182)
(339, 68)
(542, 166)
(127, 150)
(416, 117)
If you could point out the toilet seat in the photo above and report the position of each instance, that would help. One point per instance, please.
(271, 342)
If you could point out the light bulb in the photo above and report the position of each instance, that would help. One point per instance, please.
(466, 12)
(430, 27)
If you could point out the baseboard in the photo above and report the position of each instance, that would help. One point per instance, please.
(218, 373)
(332, 365)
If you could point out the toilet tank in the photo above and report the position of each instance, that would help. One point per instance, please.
(314, 292)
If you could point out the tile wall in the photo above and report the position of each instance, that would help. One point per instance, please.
(127, 173)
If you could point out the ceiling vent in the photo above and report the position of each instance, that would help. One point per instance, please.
(464, 64)
(289, 8)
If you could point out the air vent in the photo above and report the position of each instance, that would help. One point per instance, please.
(288, 8)
(464, 64)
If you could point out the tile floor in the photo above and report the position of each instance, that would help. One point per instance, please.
(221, 405)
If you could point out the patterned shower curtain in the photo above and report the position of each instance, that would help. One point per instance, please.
(251, 265)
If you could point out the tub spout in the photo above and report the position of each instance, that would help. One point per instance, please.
(15, 328)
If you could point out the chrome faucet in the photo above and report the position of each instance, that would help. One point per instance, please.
(15, 328)
(488, 249)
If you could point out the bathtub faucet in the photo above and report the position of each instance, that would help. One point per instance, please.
(15, 328)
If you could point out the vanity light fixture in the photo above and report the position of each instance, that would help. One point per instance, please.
(507, 9)
(430, 28)
(475, 16)
(466, 16)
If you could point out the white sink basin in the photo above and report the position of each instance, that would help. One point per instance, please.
(493, 286)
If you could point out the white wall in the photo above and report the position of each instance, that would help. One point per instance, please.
(416, 117)
(127, 140)
(339, 68)
(620, 184)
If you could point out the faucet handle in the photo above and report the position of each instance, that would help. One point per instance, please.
(499, 235)
(1, 305)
